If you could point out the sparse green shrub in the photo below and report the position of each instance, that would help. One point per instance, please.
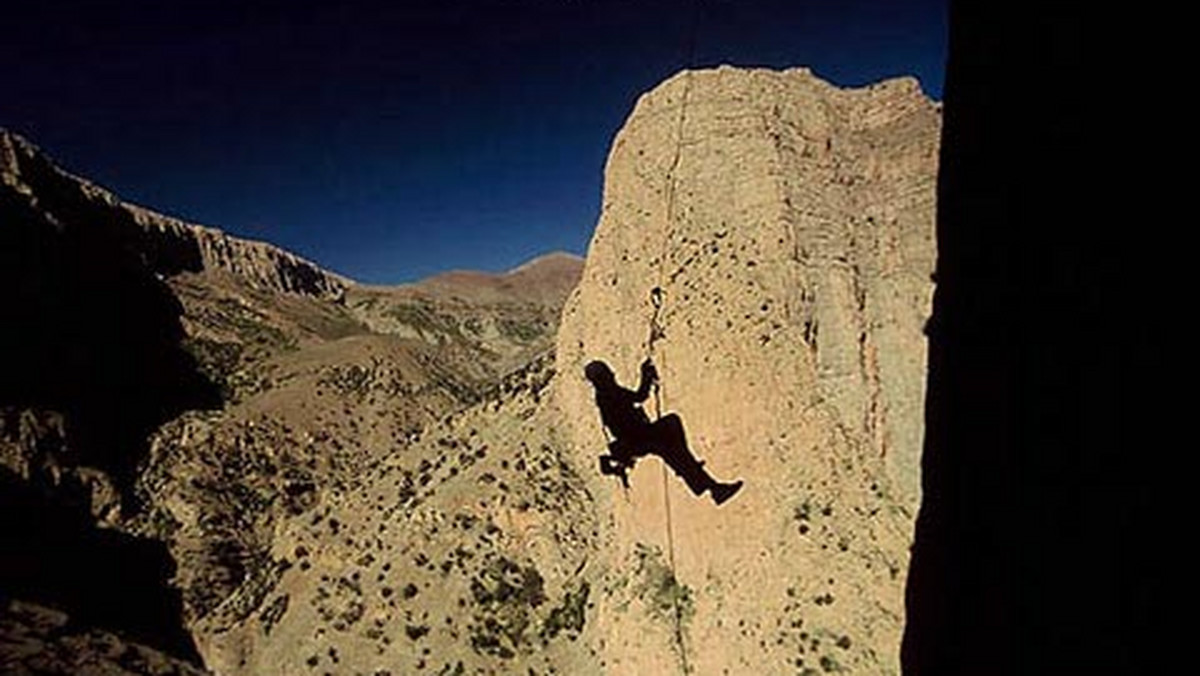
(665, 597)
(506, 595)
(570, 615)
(520, 330)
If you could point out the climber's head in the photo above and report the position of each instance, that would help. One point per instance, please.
(599, 374)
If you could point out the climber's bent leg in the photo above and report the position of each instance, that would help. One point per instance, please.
(671, 445)
(670, 431)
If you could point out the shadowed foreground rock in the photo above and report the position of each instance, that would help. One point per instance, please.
(1045, 415)
(37, 640)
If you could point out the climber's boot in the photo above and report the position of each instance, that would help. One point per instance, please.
(722, 492)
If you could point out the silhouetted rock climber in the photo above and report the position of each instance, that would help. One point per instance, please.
(635, 436)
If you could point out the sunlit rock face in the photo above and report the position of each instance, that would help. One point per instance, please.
(790, 226)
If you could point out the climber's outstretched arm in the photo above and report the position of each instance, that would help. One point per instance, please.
(649, 377)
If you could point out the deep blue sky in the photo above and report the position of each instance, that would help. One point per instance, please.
(388, 141)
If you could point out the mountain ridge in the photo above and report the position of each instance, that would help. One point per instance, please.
(172, 245)
(169, 245)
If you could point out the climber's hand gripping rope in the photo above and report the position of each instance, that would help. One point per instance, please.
(649, 372)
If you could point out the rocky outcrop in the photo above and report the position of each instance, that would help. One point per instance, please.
(40, 640)
(789, 224)
(167, 245)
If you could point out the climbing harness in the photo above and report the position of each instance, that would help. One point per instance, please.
(616, 462)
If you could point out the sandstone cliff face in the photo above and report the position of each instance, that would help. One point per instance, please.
(796, 257)
(167, 245)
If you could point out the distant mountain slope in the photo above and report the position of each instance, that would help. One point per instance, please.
(166, 244)
(495, 322)
(192, 391)
(546, 279)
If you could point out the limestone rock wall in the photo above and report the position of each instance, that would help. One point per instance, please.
(796, 256)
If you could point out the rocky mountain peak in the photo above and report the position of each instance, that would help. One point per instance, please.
(555, 260)
(547, 278)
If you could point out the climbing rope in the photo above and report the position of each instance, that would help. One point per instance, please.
(656, 333)
(657, 301)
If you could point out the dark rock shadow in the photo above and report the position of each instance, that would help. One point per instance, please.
(1020, 563)
(91, 332)
(54, 555)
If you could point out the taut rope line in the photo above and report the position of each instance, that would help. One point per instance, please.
(656, 330)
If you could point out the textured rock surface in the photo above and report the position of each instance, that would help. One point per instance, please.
(795, 257)
(38, 640)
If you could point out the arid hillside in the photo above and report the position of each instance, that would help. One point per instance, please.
(173, 392)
